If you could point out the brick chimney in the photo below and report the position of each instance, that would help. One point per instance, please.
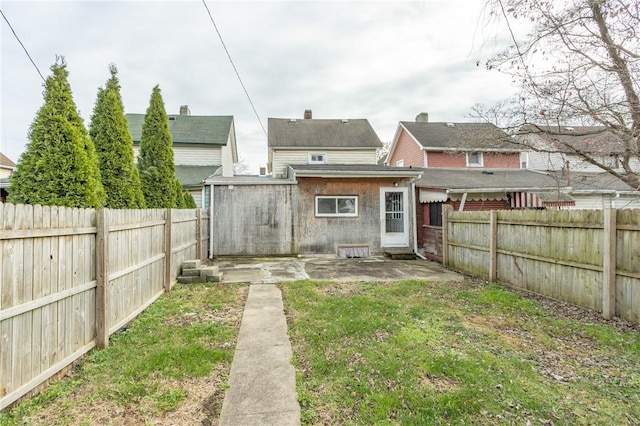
(184, 110)
(307, 114)
(423, 117)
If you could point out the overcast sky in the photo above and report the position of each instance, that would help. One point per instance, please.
(385, 61)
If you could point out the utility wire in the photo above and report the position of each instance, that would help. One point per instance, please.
(24, 48)
(234, 68)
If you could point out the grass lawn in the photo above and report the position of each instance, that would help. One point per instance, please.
(425, 353)
(169, 367)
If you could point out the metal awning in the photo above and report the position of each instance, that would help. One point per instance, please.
(433, 196)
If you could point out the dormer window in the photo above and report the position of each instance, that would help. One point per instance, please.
(317, 158)
(474, 159)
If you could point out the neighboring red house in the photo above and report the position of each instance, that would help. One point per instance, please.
(452, 145)
(469, 166)
(480, 189)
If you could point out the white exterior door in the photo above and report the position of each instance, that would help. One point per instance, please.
(394, 217)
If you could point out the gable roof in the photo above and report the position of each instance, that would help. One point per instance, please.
(194, 130)
(459, 136)
(592, 139)
(6, 163)
(322, 133)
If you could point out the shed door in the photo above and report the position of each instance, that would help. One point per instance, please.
(394, 217)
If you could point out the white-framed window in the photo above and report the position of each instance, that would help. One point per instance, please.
(474, 159)
(400, 163)
(336, 206)
(317, 158)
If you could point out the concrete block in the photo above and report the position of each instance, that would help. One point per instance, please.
(209, 270)
(191, 264)
(190, 272)
(189, 280)
(214, 278)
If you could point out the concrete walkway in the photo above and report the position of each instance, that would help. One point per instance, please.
(262, 383)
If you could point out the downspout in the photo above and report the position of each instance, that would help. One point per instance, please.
(211, 214)
(415, 220)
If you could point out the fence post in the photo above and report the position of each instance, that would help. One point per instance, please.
(609, 264)
(102, 277)
(445, 234)
(199, 233)
(167, 250)
(493, 245)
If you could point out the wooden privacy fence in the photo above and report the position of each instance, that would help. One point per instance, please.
(585, 257)
(72, 277)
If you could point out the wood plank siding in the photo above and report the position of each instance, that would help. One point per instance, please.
(325, 234)
(279, 219)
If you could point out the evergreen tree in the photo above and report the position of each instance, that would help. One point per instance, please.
(180, 201)
(155, 161)
(190, 203)
(59, 166)
(114, 148)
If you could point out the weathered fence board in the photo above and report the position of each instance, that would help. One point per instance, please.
(71, 277)
(588, 258)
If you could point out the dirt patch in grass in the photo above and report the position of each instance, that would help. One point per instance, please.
(439, 384)
(99, 392)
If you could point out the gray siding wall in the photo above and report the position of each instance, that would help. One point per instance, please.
(253, 220)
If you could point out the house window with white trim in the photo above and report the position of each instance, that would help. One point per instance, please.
(336, 206)
(317, 158)
(474, 159)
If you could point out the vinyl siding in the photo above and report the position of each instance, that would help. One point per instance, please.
(408, 150)
(226, 158)
(601, 201)
(192, 156)
(283, 158)
(197, 196)
(554, 161)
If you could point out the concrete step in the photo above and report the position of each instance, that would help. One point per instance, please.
(191, 264)
(189, 280)
(400, 253)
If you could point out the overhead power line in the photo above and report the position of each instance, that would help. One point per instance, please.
(234, 67)
(24, 48)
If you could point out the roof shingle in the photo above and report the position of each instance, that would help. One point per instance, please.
(322, 133)
(462, 136)
(189, 129)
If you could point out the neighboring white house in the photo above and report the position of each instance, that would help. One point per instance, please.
(553, 151)
(320, 141)
(6, 169)
(551, 148)
(202, 146)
